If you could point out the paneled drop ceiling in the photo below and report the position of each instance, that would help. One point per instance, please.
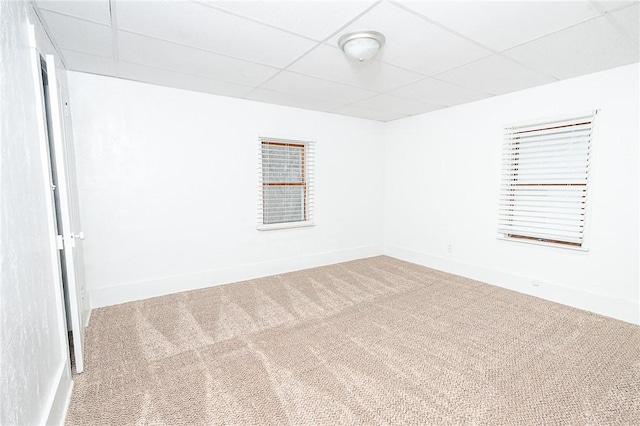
(438, 53)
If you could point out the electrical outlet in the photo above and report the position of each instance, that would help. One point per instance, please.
(450, 248)
(535, 283)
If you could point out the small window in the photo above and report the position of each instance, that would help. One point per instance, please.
(286, 184)
(545, 176)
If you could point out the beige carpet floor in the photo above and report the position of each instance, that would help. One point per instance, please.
(373, 341)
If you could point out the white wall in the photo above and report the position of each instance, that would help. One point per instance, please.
(442, 174)
(168, 188)
(168, 191)
(35, 380)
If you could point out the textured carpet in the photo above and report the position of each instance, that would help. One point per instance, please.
(374, 341)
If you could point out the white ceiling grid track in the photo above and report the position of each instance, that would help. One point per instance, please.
(437, 53)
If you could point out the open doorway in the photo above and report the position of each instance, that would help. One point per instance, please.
(63, 211)
(54, 186)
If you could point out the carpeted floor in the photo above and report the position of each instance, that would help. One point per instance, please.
(374, 341)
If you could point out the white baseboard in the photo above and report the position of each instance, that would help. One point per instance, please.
(622, 309)
(60, 397)
(129, 292)
(87, 318)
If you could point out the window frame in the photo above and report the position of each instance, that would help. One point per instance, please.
(307, 171)
(549, 123)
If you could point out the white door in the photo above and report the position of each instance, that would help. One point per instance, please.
(66, 208)
(73, 195)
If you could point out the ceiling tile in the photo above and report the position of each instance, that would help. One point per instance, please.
(586, 48)
(174, 57)
(272, 97)
(84, 62)
(414, 43)
(371, 114)
(608, 5)
(237, 48)
(93, 10)
(80, 35)
(628, 22)
(389, 103)
(181, 81)
(332, 64)
(207, 28)
(313, 19)
(495, 75)
(437, 92)
(504, 24)
(298, 84)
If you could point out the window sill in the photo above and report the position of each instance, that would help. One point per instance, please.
(288, 225)
(544, 243)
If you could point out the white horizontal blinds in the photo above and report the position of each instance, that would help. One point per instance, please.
(545, 171)
(286, 182)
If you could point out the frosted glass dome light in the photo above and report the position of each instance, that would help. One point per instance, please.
(361, 45)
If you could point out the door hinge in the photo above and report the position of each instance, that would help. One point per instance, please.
(59, 242)
(70, 241)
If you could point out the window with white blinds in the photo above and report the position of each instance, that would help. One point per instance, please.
(545, 176)
(286, 184)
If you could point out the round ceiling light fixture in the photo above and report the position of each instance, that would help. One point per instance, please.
(362, 44)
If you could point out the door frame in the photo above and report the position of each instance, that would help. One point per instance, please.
(53, 154)
(61, 168)
(45, 159)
